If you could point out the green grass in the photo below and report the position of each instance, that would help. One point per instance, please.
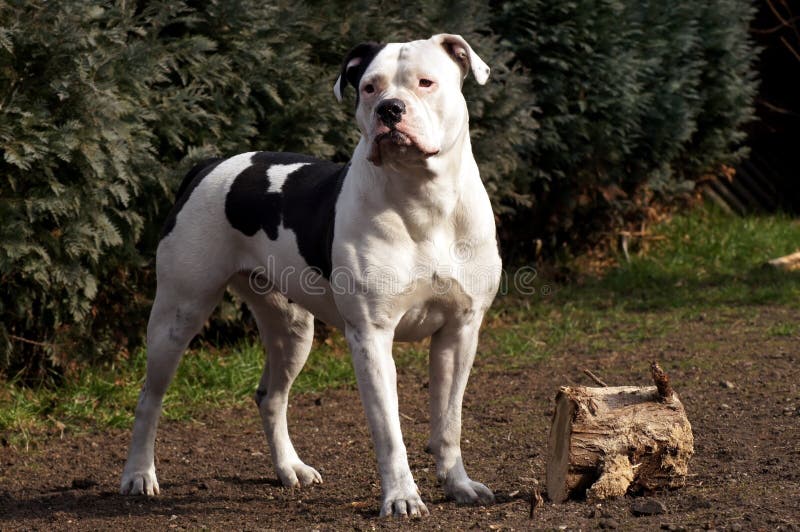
(707, 259)
(784, 329)
(106, 397)
(703, 264)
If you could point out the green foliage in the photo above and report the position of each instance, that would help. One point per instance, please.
(635, 100)
(592, 106)
(78, 153)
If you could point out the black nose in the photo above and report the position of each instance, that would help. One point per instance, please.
(391, 111)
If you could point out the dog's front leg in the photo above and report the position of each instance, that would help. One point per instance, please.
(451, 354)
(377, 382)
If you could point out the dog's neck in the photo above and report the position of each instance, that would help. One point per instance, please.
(424, 195)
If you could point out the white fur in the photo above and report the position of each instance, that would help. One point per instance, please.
(414, 255)
(278, 173)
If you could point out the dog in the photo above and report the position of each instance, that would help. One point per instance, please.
(398, 244)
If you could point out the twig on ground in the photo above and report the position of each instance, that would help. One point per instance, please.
(595, 378)
(536, 501)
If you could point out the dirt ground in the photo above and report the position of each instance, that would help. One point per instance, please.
(216, 474)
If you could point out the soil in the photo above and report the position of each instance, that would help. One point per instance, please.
(739, 384)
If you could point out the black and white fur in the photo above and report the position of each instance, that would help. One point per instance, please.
(399, 244)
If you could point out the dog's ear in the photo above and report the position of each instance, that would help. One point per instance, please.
(462, 53)
(354, 65)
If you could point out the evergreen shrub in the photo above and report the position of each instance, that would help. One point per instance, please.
(635, 99)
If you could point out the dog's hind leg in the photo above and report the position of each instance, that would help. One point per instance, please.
(178, 314)
(287, 332)
(451, 355)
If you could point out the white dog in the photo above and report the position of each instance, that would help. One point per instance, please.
(397, 245)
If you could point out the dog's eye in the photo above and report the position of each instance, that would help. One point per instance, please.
(369, 88)
(425, 83)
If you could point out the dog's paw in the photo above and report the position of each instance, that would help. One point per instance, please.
(404, 505)
(467, 491)
(297, 474)
(139, 482)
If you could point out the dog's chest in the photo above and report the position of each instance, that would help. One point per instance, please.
(454, 280)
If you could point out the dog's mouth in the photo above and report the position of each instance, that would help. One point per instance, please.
(400, 142)
(395, 137)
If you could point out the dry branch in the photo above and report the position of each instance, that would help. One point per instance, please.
(597, 380)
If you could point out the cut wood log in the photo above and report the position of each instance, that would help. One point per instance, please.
(606, 442)
(787, 262)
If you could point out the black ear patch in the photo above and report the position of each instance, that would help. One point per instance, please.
(365, 52)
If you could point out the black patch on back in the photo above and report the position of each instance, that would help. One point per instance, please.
(187, 186)
(306, 203)
(249, 207)
(352, 76)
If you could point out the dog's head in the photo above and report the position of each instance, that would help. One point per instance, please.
(409, 105)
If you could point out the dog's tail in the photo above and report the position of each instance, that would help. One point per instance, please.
(190, 180)
(191, 174)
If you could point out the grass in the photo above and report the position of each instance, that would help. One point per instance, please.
(106, 397)
(700, 264)
(784, 329)
(708, 259)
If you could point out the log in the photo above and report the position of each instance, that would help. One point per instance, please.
(606, 442)
(788, 263)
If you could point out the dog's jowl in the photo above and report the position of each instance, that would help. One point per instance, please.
(397, 245)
